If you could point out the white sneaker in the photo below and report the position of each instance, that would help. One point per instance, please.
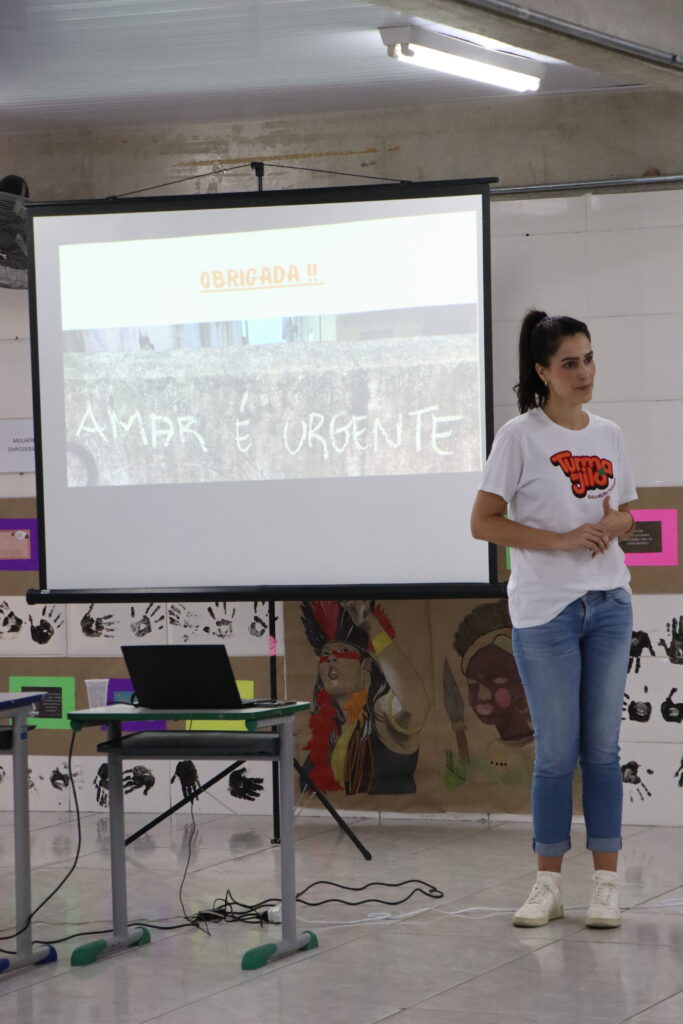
(604, 911)
(543, 904)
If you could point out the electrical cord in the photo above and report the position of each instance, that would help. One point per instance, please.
(193, 832)
(71, 870)
(378, 918)
(422, 889)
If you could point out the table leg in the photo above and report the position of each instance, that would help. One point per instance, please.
(22, 854)
(123, 937)
(291, 941)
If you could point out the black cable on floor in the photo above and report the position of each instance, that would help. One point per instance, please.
(422, 889)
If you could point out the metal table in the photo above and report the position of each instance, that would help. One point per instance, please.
(18, 708)
(276, 744)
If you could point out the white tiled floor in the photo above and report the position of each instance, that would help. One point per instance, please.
(437, 967)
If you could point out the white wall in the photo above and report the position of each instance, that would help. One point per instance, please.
(15, 379)
(614, 261)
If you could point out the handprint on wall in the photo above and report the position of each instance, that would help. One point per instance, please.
(101, 784)
(258, 626)
(184, 619)
(221, 625)
(674, 649)
(47, 625)
(186, 774)
(678, 774)
(637, 710)
(630, 773)
(9, 620)
(59, 779)
(640, 641)
(672, 711)
(95, 626)
(138, 777)
(243, 786)
(142, 625)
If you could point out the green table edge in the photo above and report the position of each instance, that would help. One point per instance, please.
(251, 717)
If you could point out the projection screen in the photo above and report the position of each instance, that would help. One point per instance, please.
(263, 391)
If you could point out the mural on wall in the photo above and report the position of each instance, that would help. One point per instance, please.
(436, 701)
(369, 703)
(484, 668)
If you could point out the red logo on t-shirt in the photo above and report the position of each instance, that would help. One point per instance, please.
(586, 472)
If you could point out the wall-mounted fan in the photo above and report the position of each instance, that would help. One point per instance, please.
(13, 251)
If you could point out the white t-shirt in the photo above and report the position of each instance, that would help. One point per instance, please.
(556, 479)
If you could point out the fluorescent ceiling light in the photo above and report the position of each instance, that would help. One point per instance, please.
(495, 44)
(413, 45)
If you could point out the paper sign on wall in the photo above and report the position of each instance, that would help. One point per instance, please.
(53, 712)
(17, 447)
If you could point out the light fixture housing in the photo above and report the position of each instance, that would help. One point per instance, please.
(437, 51)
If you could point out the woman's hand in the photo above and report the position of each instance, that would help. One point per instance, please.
(589, 537)
(615, 522)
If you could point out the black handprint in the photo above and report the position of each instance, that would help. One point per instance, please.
(678, 774)
(631, 777)
(672, 712)
(223, 625)
(97, 627)
(151, 618)
(184, 619)
(242, 787)
(258, 626)
(674, 650)
(637, 710)
(101, 784)
(9, 622)
(59, 779)
(138, 777)
(44, 630)
(640, 641)
(186, 774)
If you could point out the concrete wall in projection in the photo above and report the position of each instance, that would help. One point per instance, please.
(279, 411)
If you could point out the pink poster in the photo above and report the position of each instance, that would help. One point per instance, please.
(654, 540)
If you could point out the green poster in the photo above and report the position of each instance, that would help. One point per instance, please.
(60, 700)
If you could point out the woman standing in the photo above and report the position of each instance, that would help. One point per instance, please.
(563, 476)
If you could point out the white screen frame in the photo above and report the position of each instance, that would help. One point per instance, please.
(72, 537)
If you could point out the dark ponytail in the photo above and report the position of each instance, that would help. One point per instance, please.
(540, 337)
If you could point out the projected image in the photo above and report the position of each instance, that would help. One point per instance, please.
(371, 393)
(260, 390)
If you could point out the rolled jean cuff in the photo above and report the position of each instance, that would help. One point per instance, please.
(555, 849)
(601, 844)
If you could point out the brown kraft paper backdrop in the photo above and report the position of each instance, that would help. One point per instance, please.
(473, 736)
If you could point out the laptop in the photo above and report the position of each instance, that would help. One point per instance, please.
(177, 677)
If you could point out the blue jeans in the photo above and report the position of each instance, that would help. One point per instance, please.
(574, 673)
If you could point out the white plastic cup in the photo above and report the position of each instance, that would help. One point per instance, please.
(97, 692)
